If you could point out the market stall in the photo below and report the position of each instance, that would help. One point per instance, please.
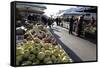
(39, 46)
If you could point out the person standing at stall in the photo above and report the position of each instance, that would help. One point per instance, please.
(80, 26)
(57, 21)
(49, 22)
(44, 20)
(71, 25)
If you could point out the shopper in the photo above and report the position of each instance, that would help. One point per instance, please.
(44, 20)
(71, 25)
(92, 20)
(75, 25)
(57, 21)
(49, 22)
(80, 25)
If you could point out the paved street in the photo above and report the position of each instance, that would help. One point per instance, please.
(79, 49)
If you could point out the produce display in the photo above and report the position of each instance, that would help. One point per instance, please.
(40, 47)
(90, 29)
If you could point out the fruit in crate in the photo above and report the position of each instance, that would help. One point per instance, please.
(25, 36)
(47, 39)
(42, 49)
(27, 63)
(31, 57)
(43, 34)
(48, 52)
(40, 27)
(29, 26)
(40, 36)
(36, 61)
(36, 50)
(46, 59)
(65, 59)
(46, 46)
(19, 59)
(19, 52)
(53, 58)
(39, 45)
(41, 55)
(29, 38)
(33, 32)
(26, 54)
(53, 41)
(36, 40)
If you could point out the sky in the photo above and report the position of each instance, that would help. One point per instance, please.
(53, 9)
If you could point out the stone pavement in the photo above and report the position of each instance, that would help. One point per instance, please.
(79, 49)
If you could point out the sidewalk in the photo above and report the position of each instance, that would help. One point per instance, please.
(78, 48)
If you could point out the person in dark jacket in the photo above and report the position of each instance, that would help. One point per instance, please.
(50, 21)
(57, 21)
(44, 20)
(71, 25)
(80, 25)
